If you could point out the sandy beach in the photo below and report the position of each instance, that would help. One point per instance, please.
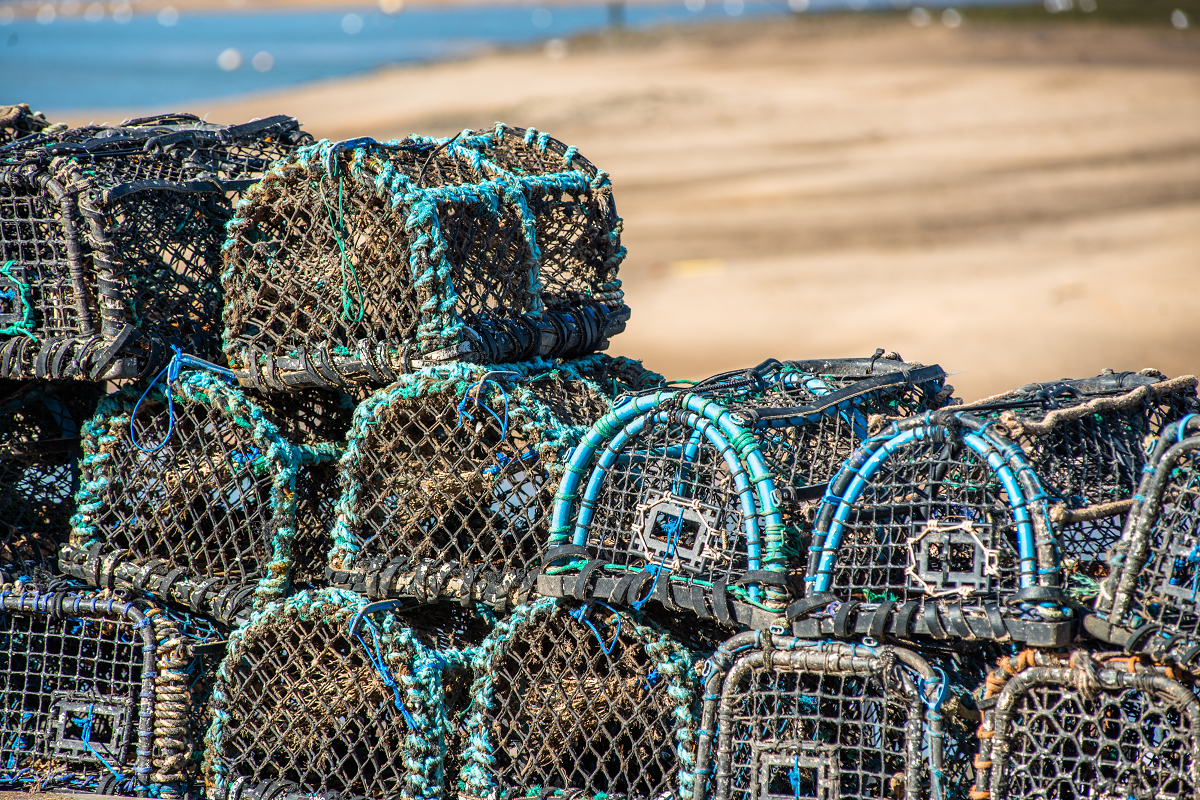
(1014, 202)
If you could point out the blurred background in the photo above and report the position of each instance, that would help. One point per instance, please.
(1009, 190)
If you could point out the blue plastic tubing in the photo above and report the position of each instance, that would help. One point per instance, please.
(982, 447)
(710, 421)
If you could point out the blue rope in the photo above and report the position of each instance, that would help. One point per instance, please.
(933, 714)
(462, 405)
(87, 741)
(380, 666)
(171, 371)
(794, 775)
(672, 544)
(581, 615)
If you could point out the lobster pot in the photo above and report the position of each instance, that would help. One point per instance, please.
(579, 699)
(357, 261)
(17, 122)
(331, 695)
(698, 499)
(796, 720)
(1085, 439)
(452, 468)
(95, 696)
(110, 243)
(196, 500)
(1148, 603)
(935, 527)
(809, 415)
(40, 424)
(1058, 729)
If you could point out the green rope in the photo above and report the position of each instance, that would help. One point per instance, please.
(25, 296)
(339, 225)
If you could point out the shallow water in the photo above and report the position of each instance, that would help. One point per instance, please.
(61, 62)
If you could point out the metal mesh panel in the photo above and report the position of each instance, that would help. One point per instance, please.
(802, 721)
(82, 708)
(1085, 439)
(217, 502)
(1083, 729)
(39, 471)
(578, 699)
(335, 696)
(1152, 591)
(455, 465)
(350, 260)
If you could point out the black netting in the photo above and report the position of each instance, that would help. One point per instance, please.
(40, 427)
(348, 264)
(103, 228)
(458, 469)
(1085, 438)
(934, 520)
(718, 481)
(578, 699)
(326, 695)
(227, 500)
(1087, 729)
(1156, 575)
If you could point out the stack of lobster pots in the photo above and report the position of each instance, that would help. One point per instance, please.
(317, 483)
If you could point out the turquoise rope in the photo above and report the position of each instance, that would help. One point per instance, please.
(25, 297)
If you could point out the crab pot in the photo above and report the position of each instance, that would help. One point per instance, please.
(203, 500)
(697, 498)
(1087, 728)
(327, 693)
(1085, 439)
(95, 696)
(786, 719)
(451, 470)
(579, 699)
(357, 261)
(936, 527)
(40, 423)
(110, 242)
(17, 122)
(1148, 602)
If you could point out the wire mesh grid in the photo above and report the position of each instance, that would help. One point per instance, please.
(1085, 727)
(325, 692)
(40, 424)
(94, 694)
(936, 526)
(698, 490)
(196, 498)
(579, 699)
(1085, 439)
(356, 261)
(787, 719)
(808, 416)
(1150, 596)
(454, 466)
(110, 242)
